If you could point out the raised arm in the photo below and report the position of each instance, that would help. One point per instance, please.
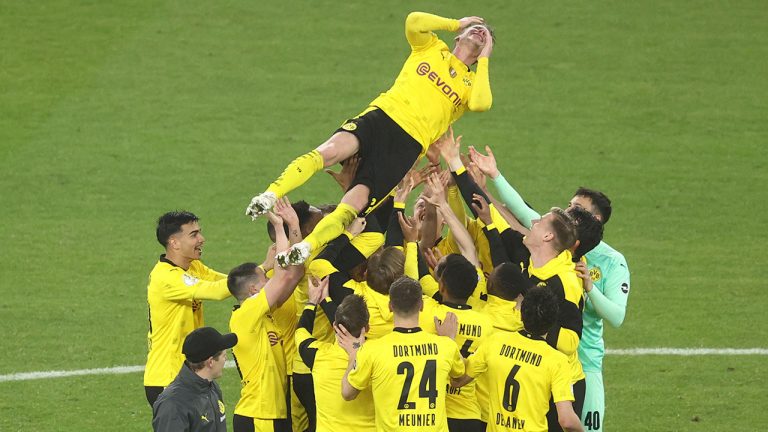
(280, 287)
(509, 196)
(460, 233)
(419, 27)
(481, 98)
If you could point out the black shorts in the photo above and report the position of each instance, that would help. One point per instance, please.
(465, 425)
(386, 153)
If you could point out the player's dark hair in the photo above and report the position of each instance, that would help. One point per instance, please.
(239, 278)
(170, 224)
(458, 276)
(353, 314)
(405, 296)
(384, 267)
(196, 366)
(564, 228)
(599, 200)
(589, 231)
(507, 281)
(539, 310)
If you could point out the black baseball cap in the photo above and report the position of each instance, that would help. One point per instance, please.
(205, 342)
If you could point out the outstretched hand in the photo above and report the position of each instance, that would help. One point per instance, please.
(409, 226)
(449, 148)
(318, 289)
(435, 191)
(347, 174)
(486, 164)
(481, 207)
(286, 212)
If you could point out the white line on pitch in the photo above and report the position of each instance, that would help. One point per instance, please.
(687, 351)
(117, 370)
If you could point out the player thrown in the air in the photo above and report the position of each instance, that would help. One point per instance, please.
(434, 88)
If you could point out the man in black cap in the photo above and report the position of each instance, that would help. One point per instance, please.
(193, 401)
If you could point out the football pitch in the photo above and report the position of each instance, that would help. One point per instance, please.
(112, 113)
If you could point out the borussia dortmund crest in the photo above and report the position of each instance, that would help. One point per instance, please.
(595, 274)
(349, 126)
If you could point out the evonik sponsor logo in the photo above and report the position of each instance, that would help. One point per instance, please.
(424, 69)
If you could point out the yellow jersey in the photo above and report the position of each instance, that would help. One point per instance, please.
(260, 360)
(523, 372)
(559, 275)
(328, 362)
(474, 328)
(175, 309)
(408, 371)
(434, 88)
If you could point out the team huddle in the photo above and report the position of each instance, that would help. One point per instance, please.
(468, 312)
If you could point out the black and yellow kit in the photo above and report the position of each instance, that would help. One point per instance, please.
(328, 362)
(408, 371)
(174, 297)
(474, 328)
(260, 360)
(524, 372)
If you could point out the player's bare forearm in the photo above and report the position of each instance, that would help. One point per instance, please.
(460, 233)
(347, 391)
(461, 381)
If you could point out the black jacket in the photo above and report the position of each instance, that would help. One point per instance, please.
(190, 404)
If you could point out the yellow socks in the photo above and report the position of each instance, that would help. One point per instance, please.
(331, 226)
(297, 173)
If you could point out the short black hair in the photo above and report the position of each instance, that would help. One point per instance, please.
(353, 314)
(239, 277)
(458, 276)
(589, 231)
(170, 223)
(539, 310)
(507, 281)
(599, 200)
(405, 296)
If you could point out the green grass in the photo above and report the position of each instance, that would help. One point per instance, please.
(113, 112)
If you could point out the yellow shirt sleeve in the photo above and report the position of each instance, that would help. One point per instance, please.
(412, 261)
(419, 26)
(477, 363)
(360, 376)
(429, 285)
(561, 382)
(457, 365)
(481, 98)
(567, 341)
(204, 272)
(179, 285)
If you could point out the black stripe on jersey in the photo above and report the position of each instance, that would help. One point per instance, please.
(457, 305)
(394, 235)
(407, 329)
(307, 354)
(336, 286)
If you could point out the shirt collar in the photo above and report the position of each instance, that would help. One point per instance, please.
(457, 305)
(167, 261)
(407, 329)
